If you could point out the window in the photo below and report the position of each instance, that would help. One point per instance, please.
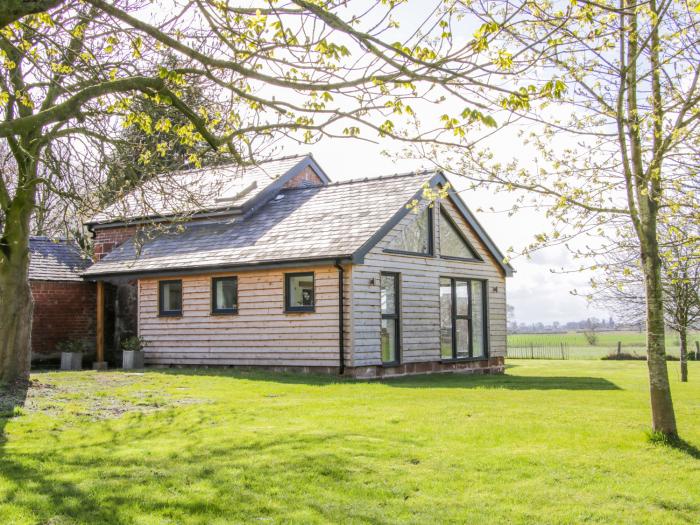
(417, 235)
(299, 292)
(462, 318)
(224, 295)
(452, 242)
(170, 298)
(389, 336)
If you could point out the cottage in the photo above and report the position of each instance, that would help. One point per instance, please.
(64, 304)
(278, 267)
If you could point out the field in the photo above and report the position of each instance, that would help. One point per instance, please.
(579, 348)
(550, 442)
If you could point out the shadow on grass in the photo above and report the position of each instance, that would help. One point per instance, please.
(65, 498)
(201, 482)
(688, 448)
(12, 398)
(443, 380)
(505, 381)
(675, 443)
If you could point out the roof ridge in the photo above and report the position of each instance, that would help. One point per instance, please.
(50, 239)
(229, 164)
(367, 179)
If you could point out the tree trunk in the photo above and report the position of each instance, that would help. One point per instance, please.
(16, 304)
(662, 413)
(683, 334)
(645, 181)
(16, 308)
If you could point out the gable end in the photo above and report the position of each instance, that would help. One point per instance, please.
(302, 175)
(438, 179)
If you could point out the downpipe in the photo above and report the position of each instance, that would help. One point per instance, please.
(341, 316)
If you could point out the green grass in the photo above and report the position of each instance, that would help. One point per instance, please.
(632, 342)
(549, 442)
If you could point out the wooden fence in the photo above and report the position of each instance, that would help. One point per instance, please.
(539, 351)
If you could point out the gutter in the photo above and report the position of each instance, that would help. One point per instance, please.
(341, 317)
(219, 268)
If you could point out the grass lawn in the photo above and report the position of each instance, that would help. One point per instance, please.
(550, 442)
(579, 348)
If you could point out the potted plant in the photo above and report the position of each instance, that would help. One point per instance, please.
(72, 351)
(132, 355)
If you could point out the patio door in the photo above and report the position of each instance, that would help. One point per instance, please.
(462, 318)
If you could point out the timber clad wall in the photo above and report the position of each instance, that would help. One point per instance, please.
(261, 333)
(62, 310)
(419, 296)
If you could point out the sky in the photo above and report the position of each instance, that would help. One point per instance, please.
(536, 293)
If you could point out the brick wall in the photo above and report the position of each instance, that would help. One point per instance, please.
(106, 239)
(62, 310)
(304, 179)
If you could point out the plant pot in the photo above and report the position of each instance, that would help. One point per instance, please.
(132, 359)
(71, 360)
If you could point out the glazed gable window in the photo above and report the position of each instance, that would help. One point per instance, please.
(417, 236)
(452, 242)
(299, 292)
(224, 295)
(170, 298)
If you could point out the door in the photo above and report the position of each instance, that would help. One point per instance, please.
(462, 318)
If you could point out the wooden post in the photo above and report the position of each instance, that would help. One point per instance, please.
(697, 350)
(619, 348)
(100, 363)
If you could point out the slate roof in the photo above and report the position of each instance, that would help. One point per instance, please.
(299, 224)
(55, 260)
(201, 190)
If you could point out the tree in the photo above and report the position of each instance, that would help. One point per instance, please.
(70, 72)
(682, 292)
(138, 155)
(591, 332)
(618, 143)
(510, 315)
(622, 286)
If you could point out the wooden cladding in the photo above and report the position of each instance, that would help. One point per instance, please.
(261, 333)
(419, 337)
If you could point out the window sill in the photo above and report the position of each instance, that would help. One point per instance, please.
(300, 311)
(463, 259)
(167, 314)
(409, 254)
(224, 312)
(464, 359)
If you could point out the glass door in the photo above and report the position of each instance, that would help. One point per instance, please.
(462, 318)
